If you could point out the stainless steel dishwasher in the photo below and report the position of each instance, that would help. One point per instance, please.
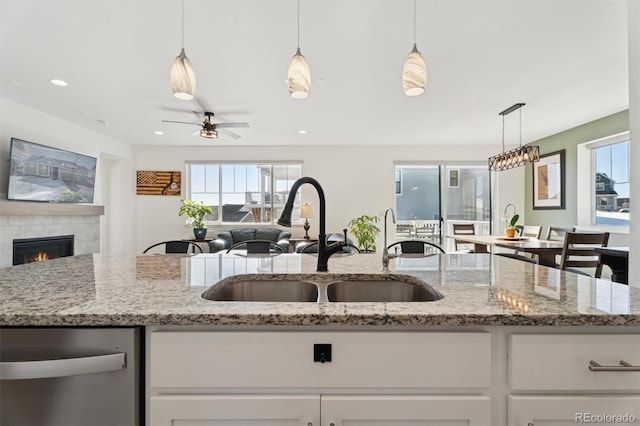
(70, 376)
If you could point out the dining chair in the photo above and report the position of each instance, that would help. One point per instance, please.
(176, 246)
(531, 231)
(555, 233)
(416, 247)
(258, 247)
(579, 252)
(463, 229)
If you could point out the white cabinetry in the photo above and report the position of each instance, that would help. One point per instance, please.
(567, 391)
(234, 410)
(398, 378)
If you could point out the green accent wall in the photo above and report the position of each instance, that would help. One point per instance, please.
(569, 141)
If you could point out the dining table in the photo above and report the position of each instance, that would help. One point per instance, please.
(546, 250)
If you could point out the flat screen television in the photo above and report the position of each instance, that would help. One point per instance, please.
(43, 173)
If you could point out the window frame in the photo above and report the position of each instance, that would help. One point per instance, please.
(586, 183)
(271, 194)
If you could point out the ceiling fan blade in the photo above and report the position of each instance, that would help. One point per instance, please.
(197, 132)
(229, 133)
(222, 125)
(181, 122)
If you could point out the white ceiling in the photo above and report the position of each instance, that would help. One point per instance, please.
(567, 59)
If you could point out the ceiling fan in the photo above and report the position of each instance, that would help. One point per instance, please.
(209, 129)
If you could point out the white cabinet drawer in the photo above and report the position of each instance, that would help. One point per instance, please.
(285, 360)
(561, 361)
(573, 410)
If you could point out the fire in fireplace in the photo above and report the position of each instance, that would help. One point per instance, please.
(27, 250)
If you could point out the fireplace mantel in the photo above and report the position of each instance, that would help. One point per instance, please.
(26, 208)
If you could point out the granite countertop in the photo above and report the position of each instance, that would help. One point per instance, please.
(478, 289)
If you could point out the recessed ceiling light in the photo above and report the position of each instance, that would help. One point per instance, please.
(302, 132)
(158, 132)
(59, 82)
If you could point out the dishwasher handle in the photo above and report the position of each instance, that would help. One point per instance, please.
(19, 370)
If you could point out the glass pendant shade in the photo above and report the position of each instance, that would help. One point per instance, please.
(183, 78)
(414, 73)
(299, 77)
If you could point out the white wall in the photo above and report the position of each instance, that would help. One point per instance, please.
(356, 180)
(634, 135)
(25, 123)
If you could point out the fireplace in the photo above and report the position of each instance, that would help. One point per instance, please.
(27, 250)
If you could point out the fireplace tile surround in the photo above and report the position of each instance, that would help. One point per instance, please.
(84, 227)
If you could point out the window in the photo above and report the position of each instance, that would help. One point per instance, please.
(603, 182)
(240, 193)
(611, 166)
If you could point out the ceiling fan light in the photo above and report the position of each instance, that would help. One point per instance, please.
(209, 133)
(299, 77)
(183, 78)
(414, 73)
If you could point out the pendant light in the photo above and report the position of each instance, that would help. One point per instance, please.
(414, 72)
(518, 156)
(299, 74)
(183, 78)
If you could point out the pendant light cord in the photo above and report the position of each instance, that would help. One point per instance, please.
(414, 21)
(503, 133)
(298, 24)
(520, 111)
(183, 24)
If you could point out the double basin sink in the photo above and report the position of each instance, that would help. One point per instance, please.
(322, 289)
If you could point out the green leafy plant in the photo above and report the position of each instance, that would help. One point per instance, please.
(513, 223)
(195, 211)
(365, 230)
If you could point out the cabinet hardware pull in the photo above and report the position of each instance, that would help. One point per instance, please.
(309, 424)
(624, 366)
(530, 424)
(332, 424)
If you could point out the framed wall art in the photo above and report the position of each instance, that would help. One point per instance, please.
(549, 182)
(149, 182)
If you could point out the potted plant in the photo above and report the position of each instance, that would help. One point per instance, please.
(365, 230)
(512, 226)
(196, 212)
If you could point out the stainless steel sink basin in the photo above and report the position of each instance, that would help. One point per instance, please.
(322, 289)
(263, 291)
(380, 291)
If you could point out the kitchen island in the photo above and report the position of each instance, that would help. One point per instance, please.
(508, 343)
(478, 289)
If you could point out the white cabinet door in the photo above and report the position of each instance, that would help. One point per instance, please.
(406, 410)
(572, 410)
(234, 410)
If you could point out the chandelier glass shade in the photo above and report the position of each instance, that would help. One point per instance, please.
(183, 78)
(299, 77)
(414, 73)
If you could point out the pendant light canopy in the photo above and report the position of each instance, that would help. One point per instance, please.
(183, 78)
(516, 157)
(414, 71)
(299, 74)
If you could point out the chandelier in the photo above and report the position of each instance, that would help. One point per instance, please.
(518, 156)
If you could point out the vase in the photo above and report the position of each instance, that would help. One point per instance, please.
(200, 233)
(510, 232)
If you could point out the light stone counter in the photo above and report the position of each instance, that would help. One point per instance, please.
(478, 289)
